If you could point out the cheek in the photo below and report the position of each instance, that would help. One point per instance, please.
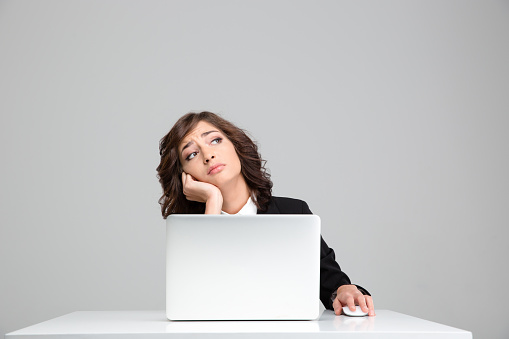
(234, 159)
(193, 168)
(186, 166)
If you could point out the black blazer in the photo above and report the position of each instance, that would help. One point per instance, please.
(331, 275)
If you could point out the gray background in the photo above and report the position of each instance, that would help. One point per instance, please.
(389, 118)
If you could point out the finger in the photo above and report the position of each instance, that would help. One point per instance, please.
(361, 299)
(371, 305)
(338, 308)
(184, 179)
(350, 302)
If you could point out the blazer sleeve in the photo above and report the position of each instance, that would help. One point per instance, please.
(331, 275)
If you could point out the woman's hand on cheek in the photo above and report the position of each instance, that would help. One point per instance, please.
(202, 192)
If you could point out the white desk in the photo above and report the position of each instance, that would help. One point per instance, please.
(154, 325)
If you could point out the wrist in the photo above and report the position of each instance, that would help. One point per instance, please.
(345, 287)
(214, 202)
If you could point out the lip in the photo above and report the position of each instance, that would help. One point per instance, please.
(216, 168)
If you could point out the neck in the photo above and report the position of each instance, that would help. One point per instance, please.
(235, 195)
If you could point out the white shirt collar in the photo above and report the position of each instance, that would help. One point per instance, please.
(248, 209)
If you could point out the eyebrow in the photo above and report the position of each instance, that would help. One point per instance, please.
(203, 135)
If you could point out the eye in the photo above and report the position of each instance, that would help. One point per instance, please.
(216, 141)
(190, 156)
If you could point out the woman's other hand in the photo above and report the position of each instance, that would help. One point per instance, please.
(195, 190)
(349, 295)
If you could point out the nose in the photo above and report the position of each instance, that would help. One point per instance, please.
(207, 158)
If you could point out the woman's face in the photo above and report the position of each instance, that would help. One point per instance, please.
(209, 156)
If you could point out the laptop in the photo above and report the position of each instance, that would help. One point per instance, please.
(242, 267)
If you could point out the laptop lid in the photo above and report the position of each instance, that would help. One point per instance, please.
(242, 267)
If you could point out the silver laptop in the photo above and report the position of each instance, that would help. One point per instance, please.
(239, 267)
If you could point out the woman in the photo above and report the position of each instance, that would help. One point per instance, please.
(208, 165)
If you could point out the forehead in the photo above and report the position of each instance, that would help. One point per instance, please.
(196, 133)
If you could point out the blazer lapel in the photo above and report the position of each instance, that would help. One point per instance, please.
(271, 209)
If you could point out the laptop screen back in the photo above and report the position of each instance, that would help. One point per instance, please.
(239, 267)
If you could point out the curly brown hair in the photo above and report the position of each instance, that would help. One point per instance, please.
(169, 170)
